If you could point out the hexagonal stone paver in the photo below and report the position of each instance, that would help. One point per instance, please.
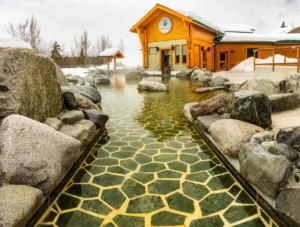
(117, 169)
(175, 145)
(147, 140)
(253, 223)
(221, 182)
(66, 202)
(113, 197)
(100, 153)
(117, 144)
(95, 169)
(200, 166)
(143, 177)
(165, 218)
(191, 144)
(126, 221)
(145, 204)
(129, 164)
(190, 159)
(142, 159)
(198, 177)
(163, 186)
(238, 213)
(234, 190)
(217, 170)
(244, 198)
(81, 176)
(168, 150)
(149, 152)
(50, 217)
(137, 144)
(123, 154)
(190, 150)
(195, 191)
(78, 218)
(109, 225)
(106, 162)
(83, 190)
(152, 167)
(214, 203)
(90, 159)
(129, 149)
(108, 180)
(155, 146)
(96, 206)
(178, 166)
(169, 174)
(132, 188)
(180, 202)
(213, 221)
(130, 138)
(205, 155)
(165, 157)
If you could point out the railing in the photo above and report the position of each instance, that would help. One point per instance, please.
(291, 56)
(156, 68)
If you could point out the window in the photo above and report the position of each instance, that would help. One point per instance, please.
(183, 53)
(250, 52)
(222, 56)
(204, 59)
(177, 54)
(152, 50)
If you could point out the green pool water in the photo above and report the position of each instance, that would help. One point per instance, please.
(151, 168)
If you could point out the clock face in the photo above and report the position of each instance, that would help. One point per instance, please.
(165, 25)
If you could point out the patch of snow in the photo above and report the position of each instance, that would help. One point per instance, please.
(7, 40)
(109, 52)
(248, 64)
(284, 30)
(244, 37)
(242, 28)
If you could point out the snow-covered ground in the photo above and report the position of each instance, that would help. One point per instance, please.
(131, 60)
(7, 40)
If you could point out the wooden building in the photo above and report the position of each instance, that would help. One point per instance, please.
(111, 53)
(181, 40)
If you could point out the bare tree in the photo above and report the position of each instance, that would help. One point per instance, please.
(85, 42)
(121, 46)
(45, 47)
(29, 31)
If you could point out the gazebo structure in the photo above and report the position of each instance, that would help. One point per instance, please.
(111, 53)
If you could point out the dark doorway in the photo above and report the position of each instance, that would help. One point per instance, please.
(165, 61)
(250, 52)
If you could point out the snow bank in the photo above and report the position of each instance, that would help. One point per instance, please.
(251, 37)
(7, 41)
(248, 64)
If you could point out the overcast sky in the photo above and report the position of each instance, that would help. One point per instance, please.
(61, 20)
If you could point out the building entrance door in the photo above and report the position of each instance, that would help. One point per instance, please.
(223, 60)
(165, 61)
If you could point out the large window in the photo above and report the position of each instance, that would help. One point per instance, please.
(183, 53)
(177, 54)
(152, 50)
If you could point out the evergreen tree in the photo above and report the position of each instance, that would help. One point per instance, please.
(55, 53)
(82, 56)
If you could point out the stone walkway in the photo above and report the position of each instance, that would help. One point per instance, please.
(151, 168)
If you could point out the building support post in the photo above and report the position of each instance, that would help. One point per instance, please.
(298, 56)
(115, 63)
(107, 63)
(273, 60)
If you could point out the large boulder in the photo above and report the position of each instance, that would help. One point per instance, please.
(34, 154)
(231, 135)
(31, 85)
(209, 106)
(85, 103)
(98, 117)
(252, 107)
(101, 80)
(284, 150)
(288, 206)
(280, 102)
(62, 79)
(292, 83)
(146, 85)
(266, 171)
(290, 136)
(17, 204)
(84, 90)
(182, 74)
(217, 81)
(136, 74)
(264, 86)
(84, 131)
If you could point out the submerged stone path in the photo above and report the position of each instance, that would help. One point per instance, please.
(151, 168)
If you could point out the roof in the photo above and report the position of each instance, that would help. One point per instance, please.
(284, 30)
(111, 52)
(248, 37)
(239, 28)
(9, 41)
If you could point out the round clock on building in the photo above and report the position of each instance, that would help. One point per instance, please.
(165, 25)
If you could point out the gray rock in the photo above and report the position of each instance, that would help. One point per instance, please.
(206, 89)
(69, 100)
(136, 74)
(284, 150)
(267, 145)
(231, 135)
(181, 74)
(288, 206)
(209, 106)
(17, 204)
(189, 74)
(101, 80)
(54, 123)
(39, 155)
(210, 74)
(217, 81)
(62, 80)
(204, 122)
(252, 107)
(31, 82)
(264, 86)
(280, 102)
(98, 117)
(261, 137)
(292, 83)
(84, 131)
(290, 136)
(266, 171)
(198, 75)
(146, 85)
(187, 111)
(71, 117)
(84, 103)
(85, 90)
(234, 88)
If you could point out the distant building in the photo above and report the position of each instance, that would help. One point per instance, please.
(182, 40)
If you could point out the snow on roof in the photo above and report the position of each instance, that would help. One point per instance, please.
(110, 52)
(284, 30)
(250, 37)
(242, 28)
(7, 41)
